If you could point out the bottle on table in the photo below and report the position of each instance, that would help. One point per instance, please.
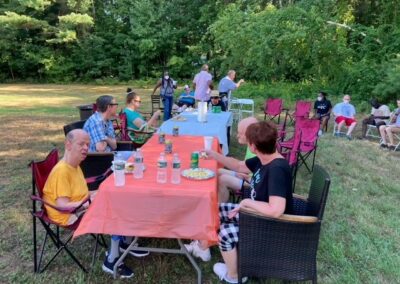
(176, 170)
(138, 164)
(162, 169)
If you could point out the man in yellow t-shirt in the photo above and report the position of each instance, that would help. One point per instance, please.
(66, 186)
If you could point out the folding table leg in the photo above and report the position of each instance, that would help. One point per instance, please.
(192, 261)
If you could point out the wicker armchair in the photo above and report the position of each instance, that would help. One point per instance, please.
(286, 247)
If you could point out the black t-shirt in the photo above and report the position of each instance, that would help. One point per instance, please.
(323, 106)
(273, 179)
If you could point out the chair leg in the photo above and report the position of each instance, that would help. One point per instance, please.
(35, 264)
(41, 253)
(95, 250)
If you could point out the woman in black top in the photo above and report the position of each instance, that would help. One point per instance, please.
(322, 109)
(271, 194)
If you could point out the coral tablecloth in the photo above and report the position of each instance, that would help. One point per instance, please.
(146, 208)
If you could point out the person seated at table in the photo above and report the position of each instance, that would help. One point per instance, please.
(392, 127)
(186, 98)
(236, 176)
(66, 187)
(345, 114)
(271, 195)
(379, 116)
(135, 119)
(100, 127)
(322, 110)
(216, 101)
(227, 85)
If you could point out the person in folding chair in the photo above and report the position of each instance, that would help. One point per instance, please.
(100, 127)
(322, 111)
(66, 187)
(380, 115)
(345, 114)
(215, 101)
(227, 85)
(390, 129)
(134, 118)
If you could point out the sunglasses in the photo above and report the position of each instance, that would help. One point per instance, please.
(138, 101)
(113, 104)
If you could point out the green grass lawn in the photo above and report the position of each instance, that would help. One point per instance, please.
(360, 237)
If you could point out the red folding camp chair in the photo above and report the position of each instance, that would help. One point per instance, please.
(273, 109)
(292, 155)
(40, 173)
(137, 137)
(308, 144)
(302, 109)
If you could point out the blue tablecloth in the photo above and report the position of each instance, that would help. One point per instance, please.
(216, 126)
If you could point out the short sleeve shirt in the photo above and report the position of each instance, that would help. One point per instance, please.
(202, 91)
(98, 130)
(64, 181)
(346, 110)
(131, 116)
(383, 110)
(226, 85)
(322, 107)
(273, 179)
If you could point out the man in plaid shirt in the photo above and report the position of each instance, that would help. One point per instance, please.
(100, 127)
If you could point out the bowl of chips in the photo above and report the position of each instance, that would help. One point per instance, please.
(198, 174)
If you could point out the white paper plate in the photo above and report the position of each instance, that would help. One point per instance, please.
(198, 174)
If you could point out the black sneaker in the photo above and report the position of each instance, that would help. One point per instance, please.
(383, 145)
(123, 271)
(391, 147)
(137, 253)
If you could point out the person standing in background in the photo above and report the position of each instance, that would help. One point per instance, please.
(168, 86)
(227, 85)
(202, 84)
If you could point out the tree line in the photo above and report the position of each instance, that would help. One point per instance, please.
(348, 46)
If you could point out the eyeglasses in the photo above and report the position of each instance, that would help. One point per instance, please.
(138, 101)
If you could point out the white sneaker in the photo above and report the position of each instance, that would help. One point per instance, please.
(222, 272)
(194, 248)
(320, 132)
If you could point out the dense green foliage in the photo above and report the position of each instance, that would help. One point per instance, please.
(340, 46)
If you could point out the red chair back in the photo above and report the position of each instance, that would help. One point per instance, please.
(293, 154)
(41, 171)
(124, 126)
(309, 133)
(303, 109)
(273, 107)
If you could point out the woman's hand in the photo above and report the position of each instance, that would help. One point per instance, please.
(234, 212)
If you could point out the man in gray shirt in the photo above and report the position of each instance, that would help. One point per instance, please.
(227, 85)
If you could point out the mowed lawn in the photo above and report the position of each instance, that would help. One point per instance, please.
(360, 237)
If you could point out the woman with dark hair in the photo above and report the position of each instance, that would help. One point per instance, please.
(134, 118)
(271, 196)
(168, 86)
(322, 110)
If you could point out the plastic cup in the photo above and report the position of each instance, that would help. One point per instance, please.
(119, 172)
(208, 141)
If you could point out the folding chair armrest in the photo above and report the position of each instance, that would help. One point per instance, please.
(98, 178)
(298, 196)
(62, 210)
(284, 217)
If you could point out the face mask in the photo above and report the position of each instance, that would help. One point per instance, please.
(166, 77)
(319, 99)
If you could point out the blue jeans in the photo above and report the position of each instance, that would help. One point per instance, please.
(168, 102)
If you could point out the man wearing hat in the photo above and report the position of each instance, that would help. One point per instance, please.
(187, 97)
(216, 100)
